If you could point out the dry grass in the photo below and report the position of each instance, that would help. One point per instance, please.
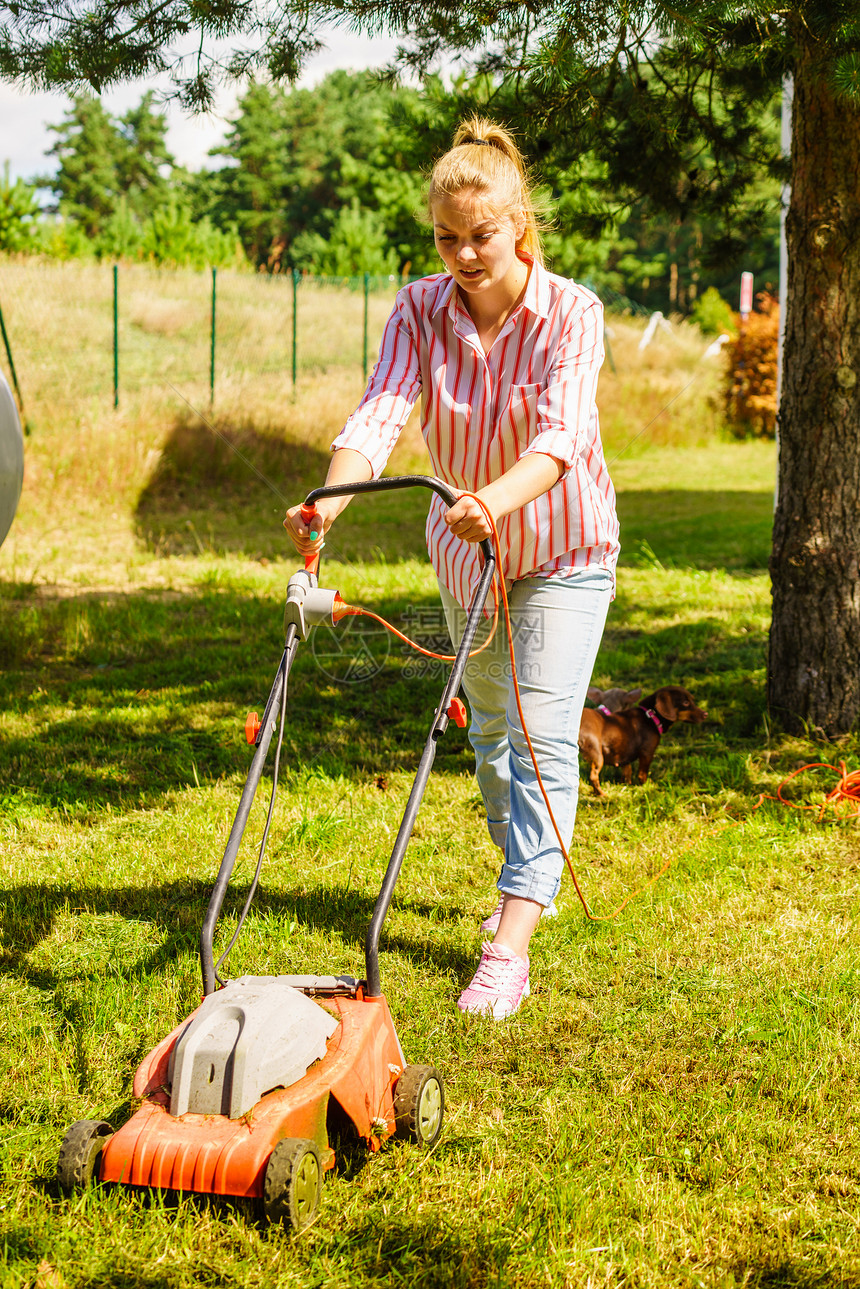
(59, 321)
(664, 395)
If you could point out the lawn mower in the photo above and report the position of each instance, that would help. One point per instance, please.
(242, 1097)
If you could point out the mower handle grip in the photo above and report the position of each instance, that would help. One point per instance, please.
(387, 485)
(308, 512)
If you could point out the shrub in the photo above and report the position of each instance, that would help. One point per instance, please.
(357, 243)
(750, 378)
(712, 314)
(120, 238)
(61, 238)
(172, 237)
(19, 207)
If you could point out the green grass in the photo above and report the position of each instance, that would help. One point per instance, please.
(676, 1105)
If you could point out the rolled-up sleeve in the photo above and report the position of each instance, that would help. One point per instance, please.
(567, 403)
(394, 386)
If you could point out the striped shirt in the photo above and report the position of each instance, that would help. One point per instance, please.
(533, 392)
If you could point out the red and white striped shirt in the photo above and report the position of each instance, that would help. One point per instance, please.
(533, 392)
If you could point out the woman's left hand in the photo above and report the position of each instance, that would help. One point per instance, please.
(468, 519)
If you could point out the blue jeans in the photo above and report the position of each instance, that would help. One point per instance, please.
(557, 625)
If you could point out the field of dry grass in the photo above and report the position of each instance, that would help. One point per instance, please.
(59, 320)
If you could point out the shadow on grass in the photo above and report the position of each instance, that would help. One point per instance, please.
(676, 528)
(228, 494)
(427, 1250)
(423, 1250)
(118, 701)
(786, 1275)
(151, 695)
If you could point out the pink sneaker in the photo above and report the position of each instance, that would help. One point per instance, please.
(492, 922)
(498, 986)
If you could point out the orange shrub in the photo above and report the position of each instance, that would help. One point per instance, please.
(750, 377)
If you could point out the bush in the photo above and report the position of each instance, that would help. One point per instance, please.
(120, 239)
(61, 238)
(750, 378)
(172, 237)
(19, 207)
(356, 244)
(712, 315)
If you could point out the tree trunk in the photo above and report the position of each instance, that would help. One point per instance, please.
(814, 655)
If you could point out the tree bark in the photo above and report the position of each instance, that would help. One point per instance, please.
(814, 651)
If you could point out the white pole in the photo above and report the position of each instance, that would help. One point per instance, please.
(785, 147)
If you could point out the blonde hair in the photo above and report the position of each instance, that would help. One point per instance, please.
(485, 157)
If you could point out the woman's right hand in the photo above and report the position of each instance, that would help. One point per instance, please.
(309, 538)
(347, 466)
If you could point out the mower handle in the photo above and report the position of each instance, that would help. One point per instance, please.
(269, 723)
(386, 485)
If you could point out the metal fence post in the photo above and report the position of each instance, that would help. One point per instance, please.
(116, 335)
(212, 342)
(608, 349)
(364, 350)
(296, 276)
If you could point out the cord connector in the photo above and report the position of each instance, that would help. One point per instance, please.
(308, 605)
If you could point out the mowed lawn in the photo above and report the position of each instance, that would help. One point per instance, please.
(675, 1105)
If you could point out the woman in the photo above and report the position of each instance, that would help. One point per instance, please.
(505, 357)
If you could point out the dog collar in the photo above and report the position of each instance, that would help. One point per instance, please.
(601, 707)
(655, 719)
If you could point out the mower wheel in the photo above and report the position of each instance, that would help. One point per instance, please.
(419, 1105)
(291, 1190)
(80, 1154)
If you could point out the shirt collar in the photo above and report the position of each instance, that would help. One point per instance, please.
(447, 297)
(536, 298)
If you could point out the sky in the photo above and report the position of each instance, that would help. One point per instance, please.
(24, 117)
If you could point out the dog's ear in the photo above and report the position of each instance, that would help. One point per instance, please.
(664, 702)
(595, 694)
(631, 696)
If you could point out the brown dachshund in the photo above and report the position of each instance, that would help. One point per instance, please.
(625, 736)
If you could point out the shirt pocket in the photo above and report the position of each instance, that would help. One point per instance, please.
(516, 426)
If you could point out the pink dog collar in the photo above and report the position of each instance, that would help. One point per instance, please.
(653, 718)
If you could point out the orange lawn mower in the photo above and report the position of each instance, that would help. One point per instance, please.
(241, 1098)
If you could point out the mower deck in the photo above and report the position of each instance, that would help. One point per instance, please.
(214, 1154)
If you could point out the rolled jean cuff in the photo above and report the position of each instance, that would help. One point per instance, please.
(498, 830)
(533, 881)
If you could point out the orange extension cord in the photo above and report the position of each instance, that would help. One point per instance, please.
(355, 609)
(847, 790)
(344, 610)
